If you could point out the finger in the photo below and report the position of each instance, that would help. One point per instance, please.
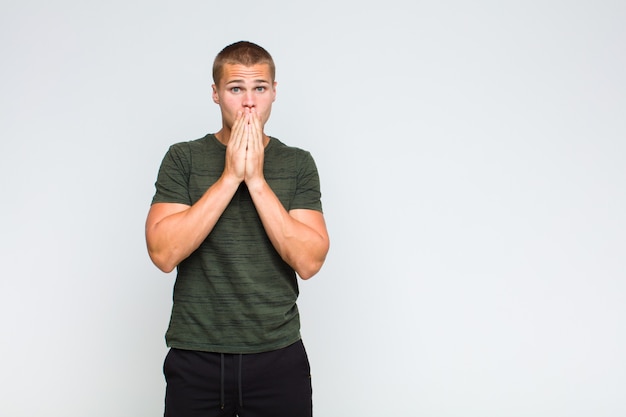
(256, 125)
(236, 135)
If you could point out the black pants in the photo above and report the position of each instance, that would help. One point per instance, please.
(270, 384)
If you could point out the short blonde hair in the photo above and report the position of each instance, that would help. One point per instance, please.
(243, 53)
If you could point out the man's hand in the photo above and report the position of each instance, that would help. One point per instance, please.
(235, 164)
(256, 150)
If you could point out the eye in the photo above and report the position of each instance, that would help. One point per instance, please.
(235, 89)
(260, 89)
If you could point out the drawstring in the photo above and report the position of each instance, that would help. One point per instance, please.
(239, 379)
(222, 381)
(222, 396)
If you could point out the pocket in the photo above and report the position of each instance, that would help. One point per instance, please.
(304, 357)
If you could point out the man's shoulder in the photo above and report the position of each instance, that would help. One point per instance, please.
(280, 146)
(204, 141)
(197, 149)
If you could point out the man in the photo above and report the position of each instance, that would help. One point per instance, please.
(238, 213)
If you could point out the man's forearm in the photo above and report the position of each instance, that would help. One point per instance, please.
(174, 231)
(301, 240)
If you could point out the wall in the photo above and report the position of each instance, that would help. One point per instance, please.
(473, 183)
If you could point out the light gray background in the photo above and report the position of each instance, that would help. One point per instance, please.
(472, 160)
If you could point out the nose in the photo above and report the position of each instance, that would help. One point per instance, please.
(248, 99)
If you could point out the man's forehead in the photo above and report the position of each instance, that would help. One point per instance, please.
(239, 72)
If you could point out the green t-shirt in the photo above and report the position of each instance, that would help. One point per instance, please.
(235, 294)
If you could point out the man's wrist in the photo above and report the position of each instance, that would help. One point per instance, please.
(256, 185)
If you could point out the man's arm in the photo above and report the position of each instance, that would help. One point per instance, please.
(299, 236)
(174, 231)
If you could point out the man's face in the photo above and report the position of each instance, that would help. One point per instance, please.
(244, 87)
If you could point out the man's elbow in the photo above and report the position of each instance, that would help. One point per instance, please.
(311, 268)
(161, 262)
(307, 273)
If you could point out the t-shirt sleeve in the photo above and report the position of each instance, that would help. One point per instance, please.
(172, 184)
(308, 194)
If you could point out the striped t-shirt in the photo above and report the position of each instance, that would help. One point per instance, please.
(235, 294)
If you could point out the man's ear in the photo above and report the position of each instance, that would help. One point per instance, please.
(274, 90)
(216, 97)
